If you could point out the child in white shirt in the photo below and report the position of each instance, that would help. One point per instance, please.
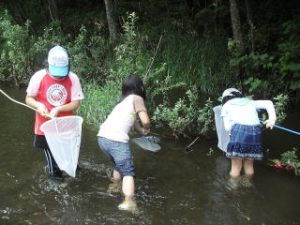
(241, 120)
(113, 138)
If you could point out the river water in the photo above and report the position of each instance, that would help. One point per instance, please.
(173, 186)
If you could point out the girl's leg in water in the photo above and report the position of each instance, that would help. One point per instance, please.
(249, 172)
(236, 167)
(116, 176)
(128, 187)
(115, 185)
(248, 167)
(128, 191)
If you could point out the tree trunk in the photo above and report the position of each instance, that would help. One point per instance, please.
(18, 12)
(52, 8)
(251, 24)
(112, 21)
(235, 22)
(237, 36)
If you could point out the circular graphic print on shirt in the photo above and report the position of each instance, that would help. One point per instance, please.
(56, 94)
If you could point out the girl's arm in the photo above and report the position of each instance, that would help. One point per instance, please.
(143, 124)
(269, 106)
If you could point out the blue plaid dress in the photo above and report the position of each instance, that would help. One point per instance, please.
(245, 142)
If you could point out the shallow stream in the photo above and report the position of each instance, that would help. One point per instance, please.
(173, 186)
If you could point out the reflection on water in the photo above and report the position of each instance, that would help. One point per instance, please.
(173, 186)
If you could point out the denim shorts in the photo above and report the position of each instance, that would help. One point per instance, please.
(120, 154)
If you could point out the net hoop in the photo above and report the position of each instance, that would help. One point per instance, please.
(63, 135)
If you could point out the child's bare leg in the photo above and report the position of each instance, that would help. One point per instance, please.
(115, 186)
(249, 171)
(116, 176)
(128, 190)
(236, 166)
(128, 187)
(248, 167)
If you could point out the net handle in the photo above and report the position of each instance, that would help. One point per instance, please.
(20, 103)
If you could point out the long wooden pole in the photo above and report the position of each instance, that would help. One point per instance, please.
(15, 101)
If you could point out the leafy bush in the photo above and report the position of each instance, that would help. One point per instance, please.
(289, 49)
(52, 35)
(87, 52)
(21, 52)
(185, 116)
(281, 103)
(256, 69)
(269, 72)
(15, 58)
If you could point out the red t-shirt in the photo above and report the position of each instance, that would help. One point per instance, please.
(52, 93)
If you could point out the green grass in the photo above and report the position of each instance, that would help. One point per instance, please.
(98, 102)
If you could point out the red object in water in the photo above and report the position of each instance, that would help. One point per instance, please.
(279, 165)
(289, 169)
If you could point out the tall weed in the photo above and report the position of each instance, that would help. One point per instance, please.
(198, 60)
(98, 102)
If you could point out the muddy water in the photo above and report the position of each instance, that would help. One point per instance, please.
(173, 186)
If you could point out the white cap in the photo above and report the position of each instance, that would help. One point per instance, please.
(58, 61)
(229, 91)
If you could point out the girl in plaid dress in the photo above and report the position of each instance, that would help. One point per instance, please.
(241, 120)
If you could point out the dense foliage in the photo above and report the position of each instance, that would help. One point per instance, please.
(184, 50)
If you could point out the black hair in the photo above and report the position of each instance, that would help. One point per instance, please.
(234, 94)
(133, 84)
(45, 63)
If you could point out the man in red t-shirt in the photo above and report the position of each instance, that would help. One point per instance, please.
(54, 91)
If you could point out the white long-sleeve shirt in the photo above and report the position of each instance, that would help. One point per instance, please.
(244, 111)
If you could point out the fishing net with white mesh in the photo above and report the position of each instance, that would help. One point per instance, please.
(63, 135)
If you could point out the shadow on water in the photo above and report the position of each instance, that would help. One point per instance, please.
(173, 186)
